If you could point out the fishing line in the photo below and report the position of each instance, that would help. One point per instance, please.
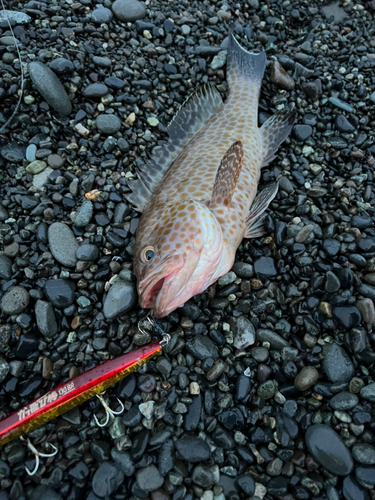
(22, 77)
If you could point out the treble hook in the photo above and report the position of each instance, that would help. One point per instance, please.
(37, 454)
(151, 322)
(109, 412)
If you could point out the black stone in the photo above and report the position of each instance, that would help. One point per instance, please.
(60, 292)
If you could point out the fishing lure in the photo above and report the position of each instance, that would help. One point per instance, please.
(74, 392)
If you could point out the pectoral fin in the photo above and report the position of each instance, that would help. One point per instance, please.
(254, 222)
(227, 177)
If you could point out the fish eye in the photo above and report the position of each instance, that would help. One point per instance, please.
(148, 253)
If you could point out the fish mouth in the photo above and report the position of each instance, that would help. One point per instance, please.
(152, 288)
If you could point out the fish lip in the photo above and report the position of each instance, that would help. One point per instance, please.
(146, 286)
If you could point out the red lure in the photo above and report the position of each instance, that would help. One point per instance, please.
(74, 392)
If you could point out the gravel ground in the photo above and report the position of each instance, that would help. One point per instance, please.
(267, 387)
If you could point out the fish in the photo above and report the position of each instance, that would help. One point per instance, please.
(197, 193)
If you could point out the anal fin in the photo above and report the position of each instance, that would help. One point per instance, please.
(254, 221)
(273, 132)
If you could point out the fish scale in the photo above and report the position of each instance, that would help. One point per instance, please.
(195, 194)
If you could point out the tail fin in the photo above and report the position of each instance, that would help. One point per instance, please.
(243, 64)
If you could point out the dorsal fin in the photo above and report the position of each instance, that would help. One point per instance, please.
(227, 177)
(188, 121)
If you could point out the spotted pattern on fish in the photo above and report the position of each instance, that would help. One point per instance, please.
(193, 232)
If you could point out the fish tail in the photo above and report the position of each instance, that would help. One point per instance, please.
(244, 67)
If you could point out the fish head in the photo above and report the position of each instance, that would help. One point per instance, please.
(176, 258)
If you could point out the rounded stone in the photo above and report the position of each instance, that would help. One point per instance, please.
(60, 292)
(306, 378)
(108, 124)
(101, 15)
(35, 167)
(87, 252)
(193, 449)
(149, 478)
(120, 299)
(50, 87)
(62, 244)
(15, 301)
(45, 318)
(129, 10)
(328, 449)
(62, 66)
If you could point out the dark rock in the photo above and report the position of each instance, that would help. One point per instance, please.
(328, 449)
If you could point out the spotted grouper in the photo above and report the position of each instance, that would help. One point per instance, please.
(197, 193)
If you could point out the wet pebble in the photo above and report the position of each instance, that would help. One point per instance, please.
(328, 449)
(129, 10)
(149, 478)
(337, 364)
(193, 449)
(265, 267)
(121, 298)
(15, 301)
(62, 244)
(107, 479)
(306, 378)
(50, 87)
(108, 124)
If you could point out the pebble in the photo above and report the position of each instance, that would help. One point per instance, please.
(84, 214)
(344, 401)
(368, 392)
(347, 317)
(265, 267)
(337, 364)
(108, 124)
(367, 310)
(45, 318)
(87, 252)
(44, 492)
(129, 10)
(338, 103)
(274, 339)
(107, 479)
(62, 66)
(59, 292)
(36, 167)
(244, 334)
(101, 15)
(62, 244)
(193, 449)
(280, 77)
(202, 347)
(364, 453)
(302, 132)
(30, 152)
(50, 87)
(328, 449)
(4, 369)
(15, 301)
(219, 60)
(352, 490)
(306, 378)
(120, 298)
(13, 152)
(5, 267)
(95, 91)
(16, 17)
(149, 479)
